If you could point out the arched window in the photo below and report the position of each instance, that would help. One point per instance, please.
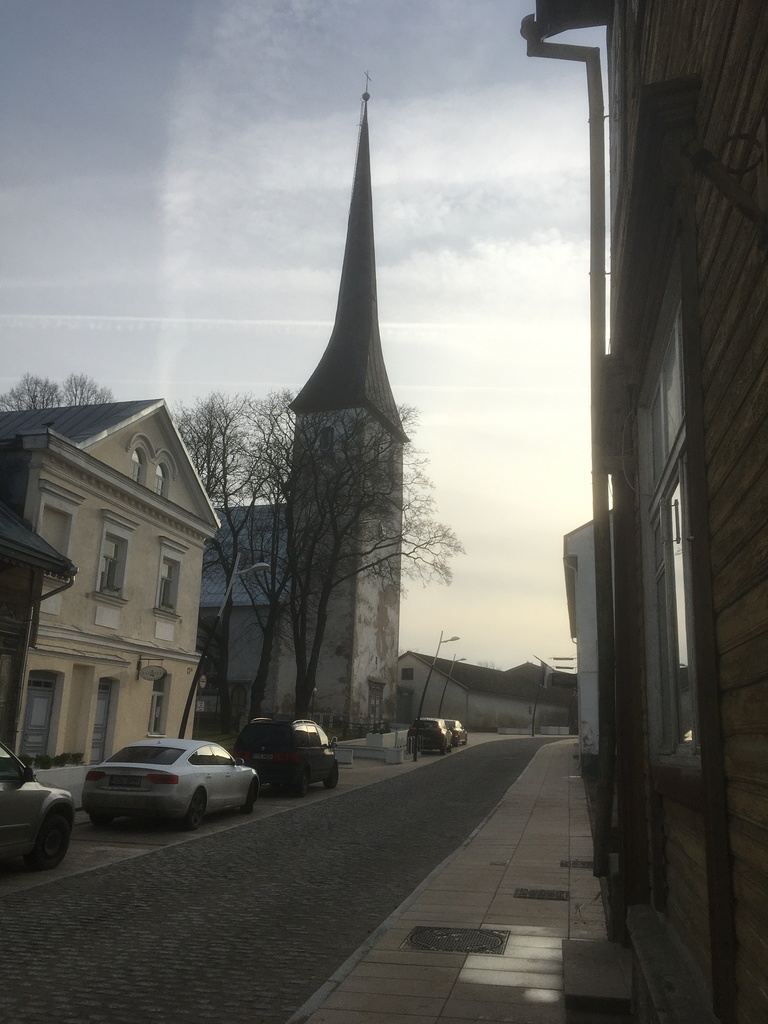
(161, 480)
(138, 465)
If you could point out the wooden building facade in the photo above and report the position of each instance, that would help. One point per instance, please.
(681, 432)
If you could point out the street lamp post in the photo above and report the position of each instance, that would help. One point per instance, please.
(447, 680)
(544, 667)
(258, 567)
(424, 692)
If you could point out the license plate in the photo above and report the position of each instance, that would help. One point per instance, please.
(125, 780)
(263, 757)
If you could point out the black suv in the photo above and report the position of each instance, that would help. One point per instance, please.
(292, 754)
(430, 734)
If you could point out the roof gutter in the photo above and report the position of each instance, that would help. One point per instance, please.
(533, 34)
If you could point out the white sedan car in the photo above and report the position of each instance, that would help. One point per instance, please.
(168, 778)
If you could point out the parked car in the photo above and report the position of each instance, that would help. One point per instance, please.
(168, 778)
(432, 733)
(294, 754)
(35, 820)
(459, 733)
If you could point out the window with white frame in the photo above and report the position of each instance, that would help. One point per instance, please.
(156, 725)
(168, 585)
(666, 547)
(138, 465)
(113, 557)
(112, 566)
(161, 480)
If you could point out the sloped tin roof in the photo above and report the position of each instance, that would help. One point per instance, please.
(522, 681)
(79, 424)
(22, 546)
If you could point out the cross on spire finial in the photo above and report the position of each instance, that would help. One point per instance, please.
(366, 94)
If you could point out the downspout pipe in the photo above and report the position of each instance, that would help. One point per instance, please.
(590, 56)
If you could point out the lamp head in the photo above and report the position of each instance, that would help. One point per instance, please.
(257, 567)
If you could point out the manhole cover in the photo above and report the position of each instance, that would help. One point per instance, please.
(457, 940)
(576, 864)
(541, 894)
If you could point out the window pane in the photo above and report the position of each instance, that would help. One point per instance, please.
(684, 690)
(673, 398)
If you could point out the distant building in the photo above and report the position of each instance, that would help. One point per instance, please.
(357, 667)
(356, 677)
(112, 488)
(485, 699)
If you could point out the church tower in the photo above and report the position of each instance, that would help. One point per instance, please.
(356, 676)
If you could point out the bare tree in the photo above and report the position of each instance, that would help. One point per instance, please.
(349, 512)
(215, 431)
(34, 392)
(321, 499)
(80, 389)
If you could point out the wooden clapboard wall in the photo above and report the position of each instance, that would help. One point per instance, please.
(725, 46)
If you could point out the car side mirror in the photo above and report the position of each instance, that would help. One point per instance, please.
(28, 775)
(334, 741)
(239, 761)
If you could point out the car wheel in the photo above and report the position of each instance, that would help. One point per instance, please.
(51, 844)
(250, 800)
(333, 779)
(100, 818)
(196, 811)
(302, 785)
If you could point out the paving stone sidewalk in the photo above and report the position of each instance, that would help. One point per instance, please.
(519, 887)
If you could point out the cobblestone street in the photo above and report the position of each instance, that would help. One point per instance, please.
(243, 925)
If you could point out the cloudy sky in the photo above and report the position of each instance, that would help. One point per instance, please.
(175, 179)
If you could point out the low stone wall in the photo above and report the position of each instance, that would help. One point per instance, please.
(396, 739)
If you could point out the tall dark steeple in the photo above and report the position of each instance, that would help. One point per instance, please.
(351, 373)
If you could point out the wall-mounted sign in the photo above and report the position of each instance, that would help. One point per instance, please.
(152, 672)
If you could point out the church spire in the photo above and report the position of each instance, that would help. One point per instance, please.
(351, 373)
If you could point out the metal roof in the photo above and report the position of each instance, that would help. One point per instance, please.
(22, 546)
(522, 681)
(79, 424)
(351, 373)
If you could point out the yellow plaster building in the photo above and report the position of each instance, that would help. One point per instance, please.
(111, 487)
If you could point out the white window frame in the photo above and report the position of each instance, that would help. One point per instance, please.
(114, 553)
(171, 554)
(158, 707)
(670, 667)
(161, 479)
(168, 583)
(116, 532)
(139, 463)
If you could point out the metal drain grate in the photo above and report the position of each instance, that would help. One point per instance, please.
(576, 864)
(542, 894)
(457, 940)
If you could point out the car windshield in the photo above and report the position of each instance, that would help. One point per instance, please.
(138, 754)
(273, 736)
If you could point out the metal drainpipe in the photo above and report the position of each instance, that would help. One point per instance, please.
(590, 56)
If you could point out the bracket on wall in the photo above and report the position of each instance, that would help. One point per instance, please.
(725, 179)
